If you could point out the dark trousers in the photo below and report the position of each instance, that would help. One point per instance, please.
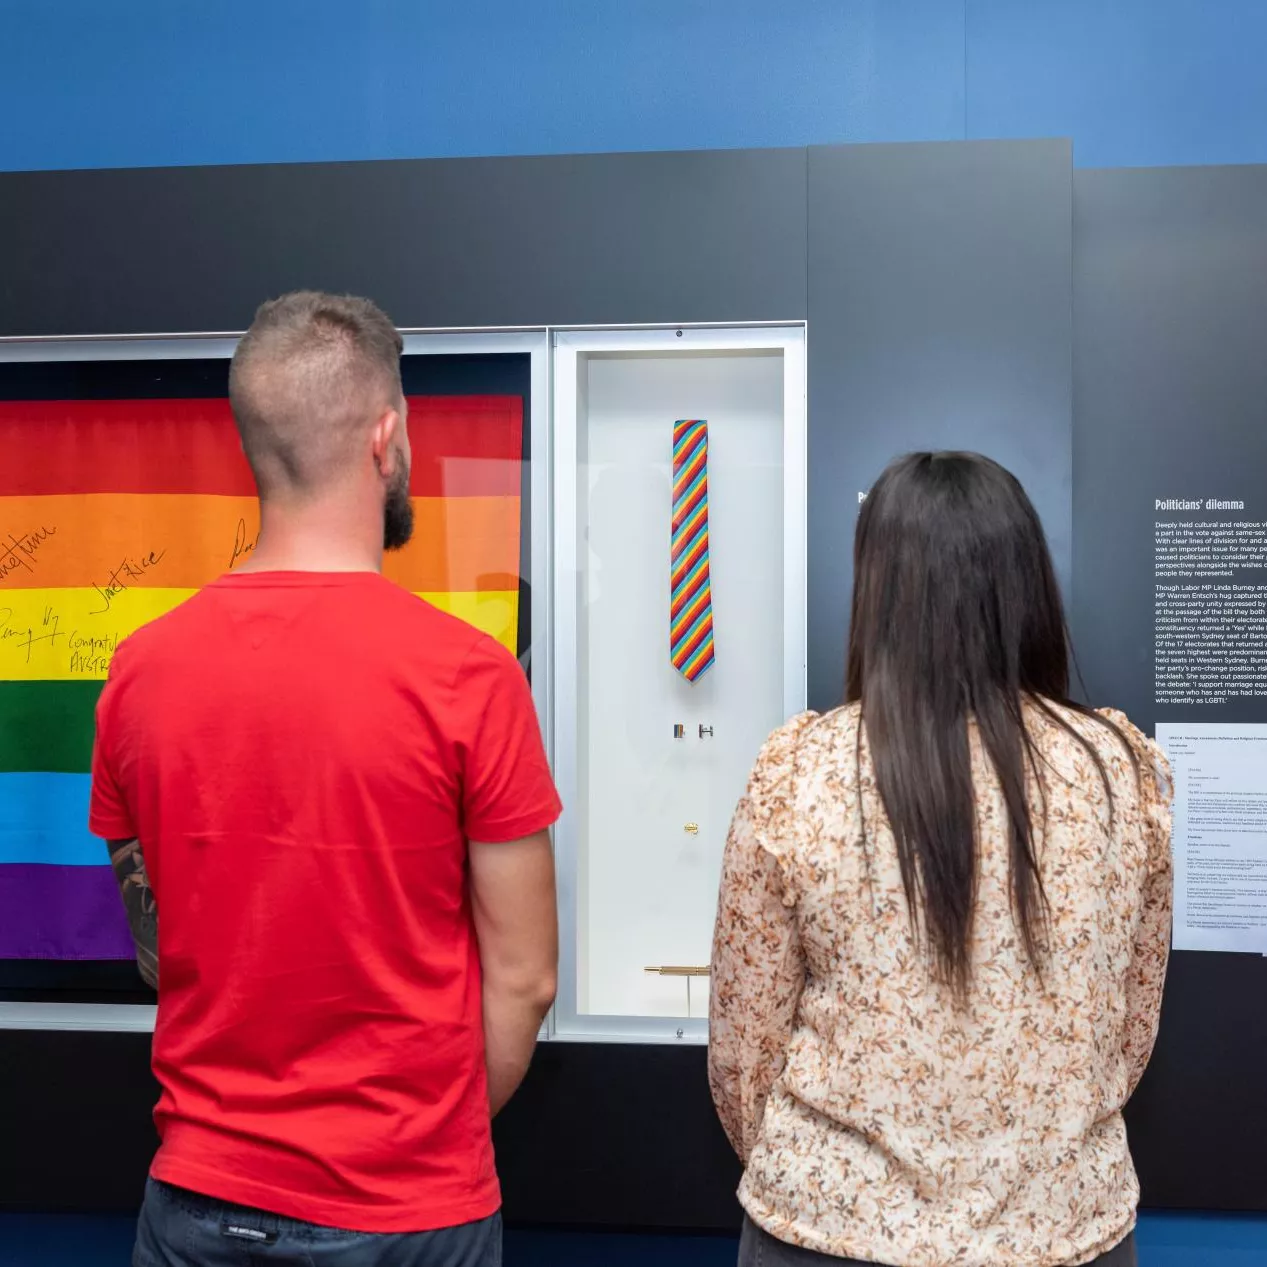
(182, 1229)
(760, 1249)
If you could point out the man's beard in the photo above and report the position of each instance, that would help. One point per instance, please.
(398, 512)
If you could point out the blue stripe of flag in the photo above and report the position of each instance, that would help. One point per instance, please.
(44, 818)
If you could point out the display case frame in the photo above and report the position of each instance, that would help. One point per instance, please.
(533, 341)
(570, 347)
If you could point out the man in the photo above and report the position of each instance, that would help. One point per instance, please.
(328, 807)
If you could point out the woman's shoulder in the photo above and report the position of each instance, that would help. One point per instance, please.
(779, 752)
(1110, 725)
(1119, 722)
(796, 774)
(1115, 738)
(1147, 751)
(807, 732)
(805, 750)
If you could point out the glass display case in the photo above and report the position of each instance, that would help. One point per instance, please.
(678, 472)
(184, 503)
(658, 606)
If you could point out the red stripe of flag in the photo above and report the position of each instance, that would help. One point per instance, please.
(462, 446)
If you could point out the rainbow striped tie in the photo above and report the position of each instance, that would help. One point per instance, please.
(691, 612)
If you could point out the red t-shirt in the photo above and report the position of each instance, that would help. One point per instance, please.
(303, 758)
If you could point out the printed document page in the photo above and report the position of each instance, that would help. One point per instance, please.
(1220, 835)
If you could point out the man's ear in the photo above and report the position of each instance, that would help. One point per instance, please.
(383, 442)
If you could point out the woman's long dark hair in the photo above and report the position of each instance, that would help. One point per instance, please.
(956, 615)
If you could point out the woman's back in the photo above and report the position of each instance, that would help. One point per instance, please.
(944, 914)
(908, 1125)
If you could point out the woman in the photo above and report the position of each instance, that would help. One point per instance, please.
(944, 917)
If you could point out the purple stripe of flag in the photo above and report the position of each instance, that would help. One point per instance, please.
(61, 912)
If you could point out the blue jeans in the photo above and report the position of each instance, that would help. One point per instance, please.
(183, 1229)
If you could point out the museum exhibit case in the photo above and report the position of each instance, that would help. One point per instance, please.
(678, 536)
(623, 508)
(132, 493)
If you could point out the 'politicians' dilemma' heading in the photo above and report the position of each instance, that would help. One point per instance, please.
(1211, 503)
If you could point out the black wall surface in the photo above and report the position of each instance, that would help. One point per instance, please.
(937, 282)
(1170, 396)
(605, 1134)
(449, 242)
(939, 317)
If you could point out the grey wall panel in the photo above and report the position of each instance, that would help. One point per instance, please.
(462, 242)
(939, 318)
(1170, 388)
(1170, 382)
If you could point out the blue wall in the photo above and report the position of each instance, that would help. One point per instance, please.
(87, 83)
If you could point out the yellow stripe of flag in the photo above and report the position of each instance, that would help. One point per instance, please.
(65, 635)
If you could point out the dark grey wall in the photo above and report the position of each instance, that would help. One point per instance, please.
(937, 283)
(1170, 388)
(939, 317)
(1170, 394)
(464, 242)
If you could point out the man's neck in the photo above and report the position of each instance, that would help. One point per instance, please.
(314, 538)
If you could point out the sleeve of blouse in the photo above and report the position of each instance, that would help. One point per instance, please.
(1151, 950)
(758, 967)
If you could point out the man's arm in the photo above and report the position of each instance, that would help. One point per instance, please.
(516, 922)
(138, 901)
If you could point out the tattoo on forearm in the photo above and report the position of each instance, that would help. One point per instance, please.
(138, 901)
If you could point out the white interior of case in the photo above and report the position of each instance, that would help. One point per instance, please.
(647, 886)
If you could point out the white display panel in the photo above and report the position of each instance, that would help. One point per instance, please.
(641, 842)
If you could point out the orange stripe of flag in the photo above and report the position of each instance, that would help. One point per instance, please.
(459, 543)
(182, 541)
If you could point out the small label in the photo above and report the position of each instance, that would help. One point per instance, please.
(241, 1232)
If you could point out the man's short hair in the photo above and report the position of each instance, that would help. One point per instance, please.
(311, 372)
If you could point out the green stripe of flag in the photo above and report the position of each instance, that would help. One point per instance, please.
(47, 726)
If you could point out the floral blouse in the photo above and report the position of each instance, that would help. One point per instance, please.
(877, 1118)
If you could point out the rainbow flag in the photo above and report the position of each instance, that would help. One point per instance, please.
(113, 512)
